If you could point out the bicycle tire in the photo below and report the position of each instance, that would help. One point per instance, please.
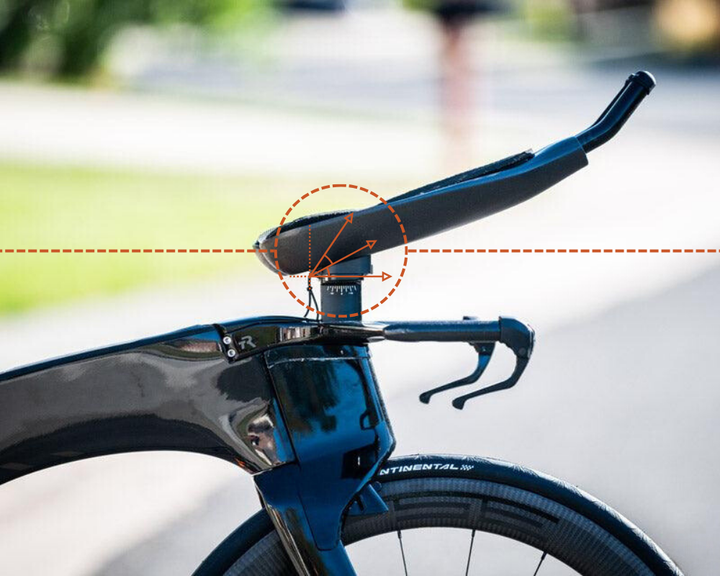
(482, 494)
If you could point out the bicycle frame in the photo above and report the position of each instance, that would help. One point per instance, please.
(307, 420)
(292, 401)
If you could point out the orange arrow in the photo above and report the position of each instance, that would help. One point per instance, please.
(384, 276)
(369, 244)
(348, 220)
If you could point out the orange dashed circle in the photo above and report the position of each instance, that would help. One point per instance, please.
(282, 278)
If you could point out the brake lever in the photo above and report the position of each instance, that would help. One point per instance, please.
(484, 352)
(520, 365)
(520, 338)
(517, 336)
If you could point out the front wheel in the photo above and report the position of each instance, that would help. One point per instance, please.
(478, 495)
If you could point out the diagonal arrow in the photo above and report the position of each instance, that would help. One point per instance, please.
(369, 244)
(348, 220)
(384, 276)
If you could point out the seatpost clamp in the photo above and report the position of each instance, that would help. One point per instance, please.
(341, 289)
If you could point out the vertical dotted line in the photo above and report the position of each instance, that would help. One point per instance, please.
(309, 254)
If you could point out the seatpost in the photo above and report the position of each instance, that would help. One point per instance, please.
(341, 290)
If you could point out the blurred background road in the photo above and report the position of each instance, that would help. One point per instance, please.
(190, 127)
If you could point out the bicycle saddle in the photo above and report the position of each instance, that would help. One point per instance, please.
(451, 202)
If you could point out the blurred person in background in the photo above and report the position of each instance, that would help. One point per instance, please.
(456, 71)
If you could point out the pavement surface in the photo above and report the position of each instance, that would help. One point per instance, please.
(621, 396)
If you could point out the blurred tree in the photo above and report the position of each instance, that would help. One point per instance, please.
(548, 19)
(77, 31)
(596, 5)
(685, 27)
(690, 27)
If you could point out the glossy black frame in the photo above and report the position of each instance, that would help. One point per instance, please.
(171, 392)
(294, 403)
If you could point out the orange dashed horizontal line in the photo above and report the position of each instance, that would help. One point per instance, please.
(563, 250)
(132, 250)
(409, 251)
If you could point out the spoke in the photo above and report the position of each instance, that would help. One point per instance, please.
(402, 551)
(472, 541)
(542, 558)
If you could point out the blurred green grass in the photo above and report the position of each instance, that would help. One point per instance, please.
(67, 207)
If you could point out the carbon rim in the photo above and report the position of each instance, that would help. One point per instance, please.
(480, 496)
